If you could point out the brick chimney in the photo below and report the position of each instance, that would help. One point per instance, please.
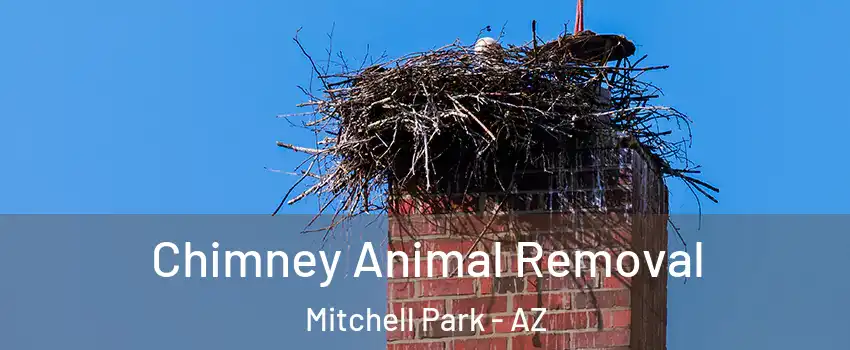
(609, 198)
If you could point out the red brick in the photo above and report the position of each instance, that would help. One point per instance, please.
(409, 228)
(504, 324)
(417, 307)
(572, 311)
(543, 265)
(467, 225)
(616, 282)
(444, 245)
(522, 342)
(486, 285)
(621, 235)
(573, 283)
(534, 283)
(565, 321)
(611, 318)
(438, 204)
(400, 335)
(418, 346)
(398, 269)
(480, 344)
(401, 290)
(482, 305)
(512, 267)
(549, 283)
(508, 285)
(558, 341)
(599, 339)
(460, 328)
(541, 222)
(402, 207)
(447, 245)
(504, 265)
(602, 299)
(550, 301)
(449, 286)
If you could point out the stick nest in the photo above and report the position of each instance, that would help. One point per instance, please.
(451, 120)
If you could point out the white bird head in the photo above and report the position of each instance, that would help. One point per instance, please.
(486, 43)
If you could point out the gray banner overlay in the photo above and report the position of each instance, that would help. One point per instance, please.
(88, 282)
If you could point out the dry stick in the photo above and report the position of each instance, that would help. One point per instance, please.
(427, 160)
(282, 201)
(314, 188)
(311, 151)
(309, 58)
(480, 235)
(458, 105)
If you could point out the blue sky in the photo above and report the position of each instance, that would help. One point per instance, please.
(169, 106)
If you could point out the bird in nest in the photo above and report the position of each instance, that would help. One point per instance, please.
(488, 51)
